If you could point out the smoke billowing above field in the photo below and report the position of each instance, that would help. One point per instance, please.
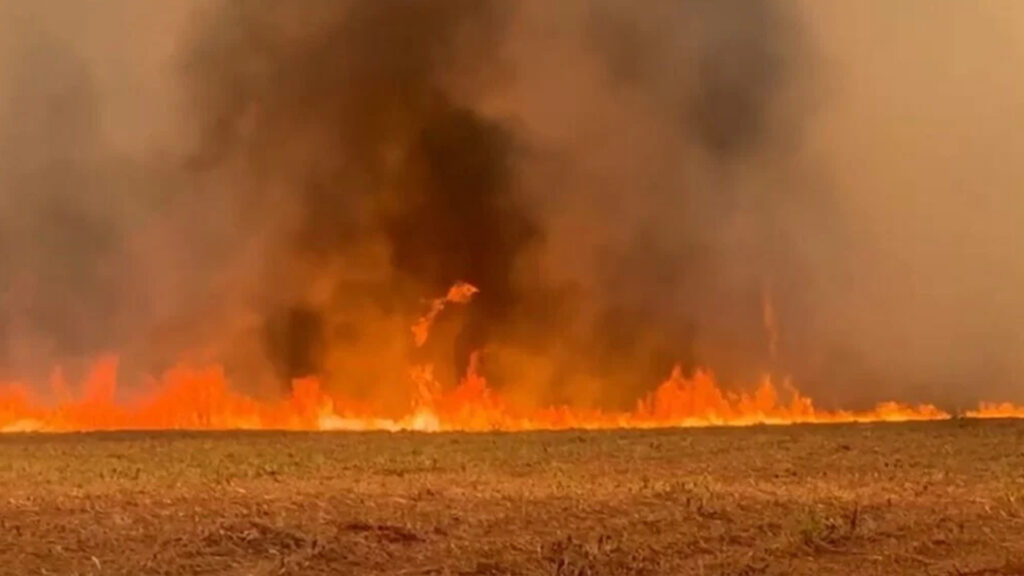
(823, 192)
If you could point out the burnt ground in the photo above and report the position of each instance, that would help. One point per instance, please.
(937, 498)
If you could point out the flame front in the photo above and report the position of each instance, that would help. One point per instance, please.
(204, 399)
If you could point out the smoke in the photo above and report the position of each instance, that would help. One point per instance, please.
(60, 261)
(357, 144)
(915, 144)
(629, 188)
(384, 141)
(94, 242)
(48, 238)
(661, 226)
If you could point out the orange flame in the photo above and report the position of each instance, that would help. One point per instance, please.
(204, 399)
(460, 293)
(996, 410)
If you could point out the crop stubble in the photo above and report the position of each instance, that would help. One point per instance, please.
(930, 498)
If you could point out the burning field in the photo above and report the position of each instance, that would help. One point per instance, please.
(562, 490)
(185, 399)
(488, 215)
(511, 287)
(189, 399)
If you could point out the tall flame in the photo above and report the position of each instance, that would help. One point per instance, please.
(204, 399)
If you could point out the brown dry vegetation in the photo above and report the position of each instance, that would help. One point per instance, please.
(940, 498)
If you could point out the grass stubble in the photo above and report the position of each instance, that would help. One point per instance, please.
(886, 499)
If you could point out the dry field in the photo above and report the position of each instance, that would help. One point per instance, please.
(938, 498)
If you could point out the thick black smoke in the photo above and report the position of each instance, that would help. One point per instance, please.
(361, 131)
(357, 120)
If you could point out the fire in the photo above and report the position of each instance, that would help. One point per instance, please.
(204, 399)
(996, 410)
(460, 293)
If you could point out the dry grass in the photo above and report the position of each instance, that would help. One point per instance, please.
(940, 498)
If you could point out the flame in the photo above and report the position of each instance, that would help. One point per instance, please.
(460, 293)
(987, 410)
(204, 399)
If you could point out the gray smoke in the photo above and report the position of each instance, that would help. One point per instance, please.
(60, 263)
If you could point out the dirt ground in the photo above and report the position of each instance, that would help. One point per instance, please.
(938, 498)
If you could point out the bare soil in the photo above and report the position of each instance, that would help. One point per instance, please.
(936, 498)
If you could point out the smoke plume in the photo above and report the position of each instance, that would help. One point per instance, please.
(283, 188)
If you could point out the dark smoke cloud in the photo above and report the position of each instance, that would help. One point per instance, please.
(353, 115)
(368, 122)
(697, 94)
(353, 152)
